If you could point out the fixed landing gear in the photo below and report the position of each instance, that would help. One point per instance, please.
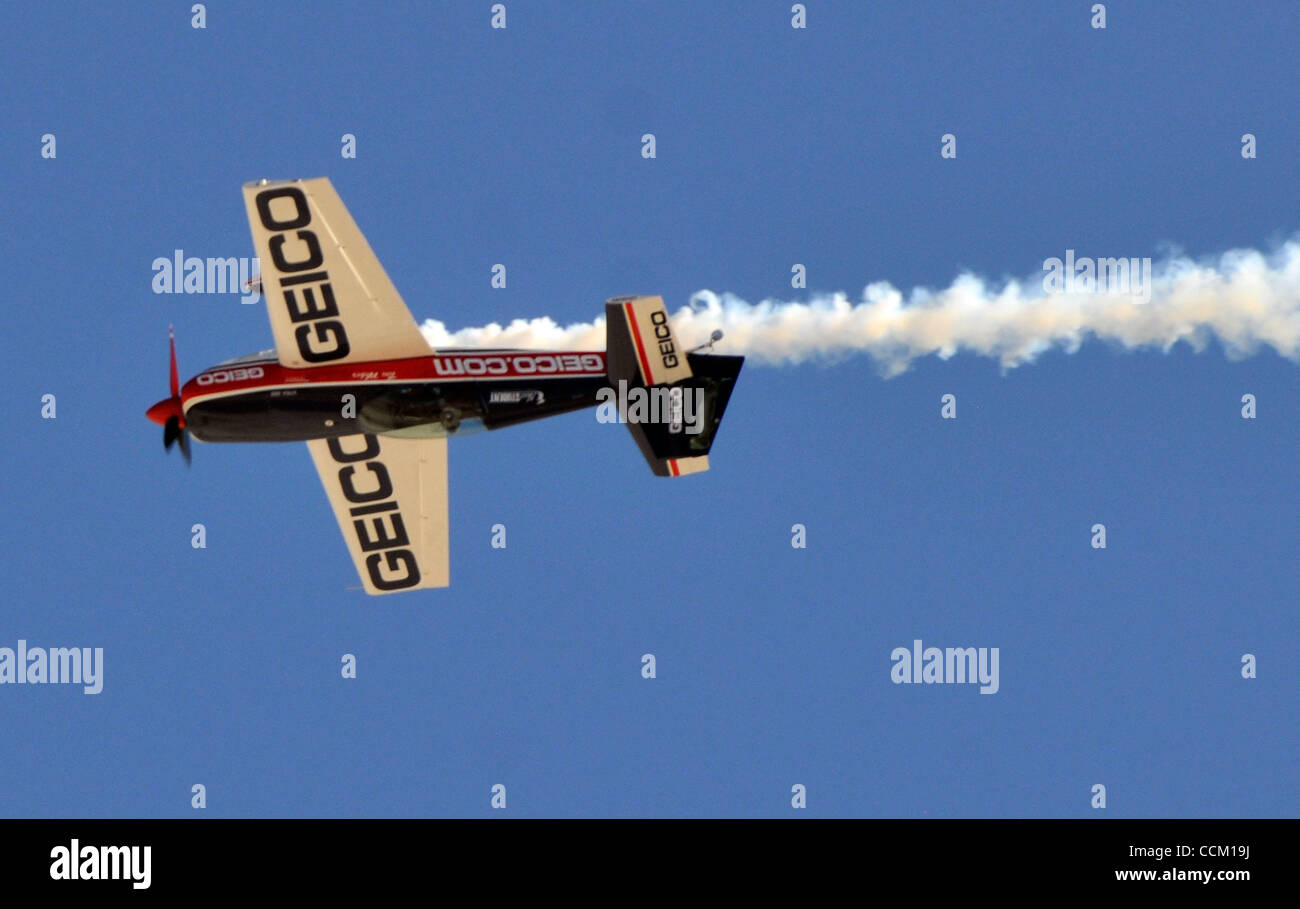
(404, 409)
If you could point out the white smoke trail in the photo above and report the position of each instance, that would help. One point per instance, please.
(1245, 299)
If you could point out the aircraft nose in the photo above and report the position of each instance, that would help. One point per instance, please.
(164, 410)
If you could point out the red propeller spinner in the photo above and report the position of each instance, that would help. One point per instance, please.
(168, 412)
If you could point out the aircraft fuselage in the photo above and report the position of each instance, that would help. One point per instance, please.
(446, 393)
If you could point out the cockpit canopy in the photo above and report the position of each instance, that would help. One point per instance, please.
(260, 357)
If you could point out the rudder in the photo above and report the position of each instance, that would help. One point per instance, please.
(684, 394)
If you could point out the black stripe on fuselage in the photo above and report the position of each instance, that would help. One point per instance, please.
(316, 412)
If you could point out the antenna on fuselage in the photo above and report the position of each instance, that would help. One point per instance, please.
(708, 345)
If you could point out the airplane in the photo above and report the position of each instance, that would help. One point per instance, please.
(353, 377)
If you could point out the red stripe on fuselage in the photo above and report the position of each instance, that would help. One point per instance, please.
(458, 367)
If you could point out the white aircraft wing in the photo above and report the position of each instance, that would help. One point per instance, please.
(329, 299)
(390, 498)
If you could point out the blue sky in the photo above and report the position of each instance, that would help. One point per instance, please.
(774, 146)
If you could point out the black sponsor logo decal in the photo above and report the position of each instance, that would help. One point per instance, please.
(378, 523)
(520, 364)
(221, 376)
(323, 338)
(667, 352)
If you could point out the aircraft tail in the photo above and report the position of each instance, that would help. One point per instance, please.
(671, 399)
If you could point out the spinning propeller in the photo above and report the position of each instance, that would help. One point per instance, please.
(169, 413)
